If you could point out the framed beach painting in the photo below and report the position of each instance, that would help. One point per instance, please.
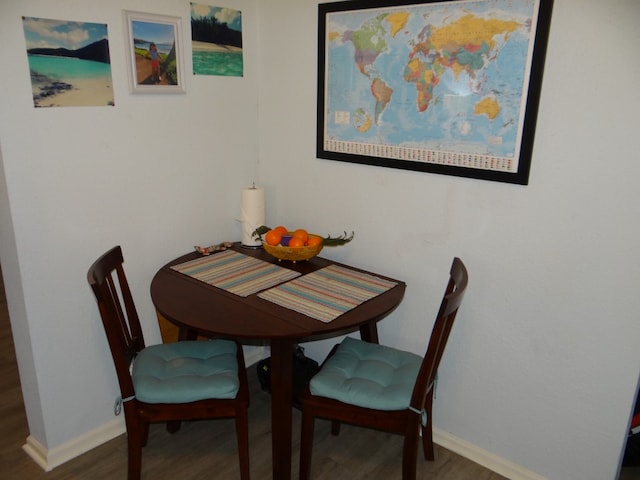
(441, 86)
(216, 40)
(154, 53)
(69, 63)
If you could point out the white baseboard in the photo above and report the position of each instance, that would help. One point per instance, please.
(50, 459)
(37, 452)
(487, 459)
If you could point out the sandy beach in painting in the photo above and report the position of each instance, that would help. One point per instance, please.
(82, 92)
(213, 47)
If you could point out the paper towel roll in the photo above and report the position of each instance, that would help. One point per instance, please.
(251, 215)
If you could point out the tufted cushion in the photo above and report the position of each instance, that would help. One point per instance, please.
(186, 372)
(368, 375)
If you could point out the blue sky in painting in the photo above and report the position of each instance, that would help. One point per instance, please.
(45, 33)
(233, 18)
(153, 32)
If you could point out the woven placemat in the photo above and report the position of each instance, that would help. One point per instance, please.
(327, 293)
(236, 273)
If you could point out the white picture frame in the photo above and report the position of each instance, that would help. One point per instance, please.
(151, 42)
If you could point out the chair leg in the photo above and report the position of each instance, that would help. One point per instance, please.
(135, 437)
(335, 427)
(144, 434)
(242, 433)
(174, 426)
(427, 431)
(410, 453)
(427, 443)
(306, 442)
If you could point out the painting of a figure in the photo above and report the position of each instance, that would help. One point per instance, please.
(155, 49)
(155, 55)
(69, 63)
(216, 35)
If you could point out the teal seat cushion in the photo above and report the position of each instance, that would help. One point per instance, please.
(368, 375)
(185, 372)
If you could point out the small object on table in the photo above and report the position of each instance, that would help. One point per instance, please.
(213, 248)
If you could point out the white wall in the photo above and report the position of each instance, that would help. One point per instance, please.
(543, 363)
(542, 366)
(157, 174)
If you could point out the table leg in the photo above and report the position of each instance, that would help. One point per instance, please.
(187, 334)
(281, 418)
(369, 332)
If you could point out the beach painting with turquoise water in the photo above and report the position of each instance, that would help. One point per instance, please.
(216, 34)
(69, 63)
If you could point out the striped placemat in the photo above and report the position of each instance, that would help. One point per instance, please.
(235, 272)
(327, 293)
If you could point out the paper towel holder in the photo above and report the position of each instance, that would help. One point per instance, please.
(252, 216)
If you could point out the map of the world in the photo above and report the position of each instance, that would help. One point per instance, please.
(440, 82)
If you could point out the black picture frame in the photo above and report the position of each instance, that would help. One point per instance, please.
(455, 156)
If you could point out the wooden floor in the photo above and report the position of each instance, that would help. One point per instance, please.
(208, 449)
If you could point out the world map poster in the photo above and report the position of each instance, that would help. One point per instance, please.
(450, 86)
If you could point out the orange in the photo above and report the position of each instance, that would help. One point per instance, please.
(302, 234)
(314, 241)
(296, 242)
(273, 237)
(281, 229)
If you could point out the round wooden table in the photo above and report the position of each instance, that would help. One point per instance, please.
(201, 309)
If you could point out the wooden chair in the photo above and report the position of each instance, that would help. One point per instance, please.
(379, 387)
(167, 382)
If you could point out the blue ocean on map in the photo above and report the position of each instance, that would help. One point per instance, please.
(227, 64)
(454, 117)
(453, 106)
(66, 68)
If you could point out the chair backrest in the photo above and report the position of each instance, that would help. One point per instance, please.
(121, 323)
(453, 295)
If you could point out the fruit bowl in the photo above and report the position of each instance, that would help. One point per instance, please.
(294, 254)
